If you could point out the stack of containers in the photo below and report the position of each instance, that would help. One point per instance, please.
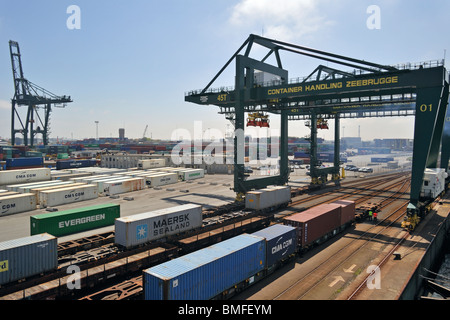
(26, 257)
(141, 228)
(206, 273)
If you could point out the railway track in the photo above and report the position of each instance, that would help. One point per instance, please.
(333, 274)
(93, 251)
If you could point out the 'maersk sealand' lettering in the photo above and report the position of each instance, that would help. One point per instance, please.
(171, 224)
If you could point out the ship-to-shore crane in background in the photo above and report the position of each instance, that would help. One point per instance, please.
(34, 97)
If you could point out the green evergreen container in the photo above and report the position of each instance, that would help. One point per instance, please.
(75, 220)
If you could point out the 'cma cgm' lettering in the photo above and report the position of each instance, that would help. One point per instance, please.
(74, 222)
(74, 195)
(281, 246)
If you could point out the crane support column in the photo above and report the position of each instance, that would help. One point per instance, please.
(431, 106)
(445, 151)
(337, 147)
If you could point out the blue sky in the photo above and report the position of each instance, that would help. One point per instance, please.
(132, 61)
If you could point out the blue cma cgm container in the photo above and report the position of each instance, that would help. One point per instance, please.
(206, 273)
(281, 242)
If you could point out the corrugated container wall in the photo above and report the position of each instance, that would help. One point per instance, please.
(281, 242)
(26, 257)
(204, 274)
(347, 210)
(75, 220)
(141, 228)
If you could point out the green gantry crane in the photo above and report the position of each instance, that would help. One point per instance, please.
(372, 90)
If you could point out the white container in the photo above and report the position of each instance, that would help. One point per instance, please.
(67, 195)
(192, 174)
(37, 191)
(100, 183)
(123, 186)
(161, 179)
(88, 179)
(17, 203)
(16, 187)
(24, 176)
(137, 229)
(151, 163)
(28, 188)
(433, 183)
(267, 198)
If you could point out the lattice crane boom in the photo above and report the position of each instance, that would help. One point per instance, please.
(26, 93)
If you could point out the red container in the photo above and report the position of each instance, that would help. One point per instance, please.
(314, 223)
(347, 210)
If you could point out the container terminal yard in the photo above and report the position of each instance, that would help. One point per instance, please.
(126, 222)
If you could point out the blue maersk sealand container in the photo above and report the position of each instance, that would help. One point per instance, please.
(204, 274)
(281, 242)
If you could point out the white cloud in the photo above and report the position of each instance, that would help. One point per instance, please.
(285, 20)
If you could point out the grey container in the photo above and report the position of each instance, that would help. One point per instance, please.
(137, 229)
(267, 198)
(26, 257)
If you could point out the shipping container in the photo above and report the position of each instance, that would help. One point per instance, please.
(281, 243)
(382, 159)
(314, 223)
(433, 183)
(123, 186)
(67, 177)
(141, 228)
(161, 179)
(26, 257)
(151, 163)
(16, 187)
(37, 191)
(205, 274)
(348, 209)
(24, 176)
(100, 183)
(191, 174)
(267, 198)
(17, 203)
(69, 164)
(28, 188)
(72, 221)
(89, 179)
(67, 195)
(25, 162)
